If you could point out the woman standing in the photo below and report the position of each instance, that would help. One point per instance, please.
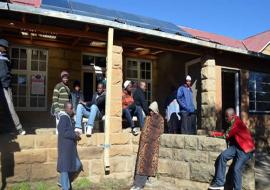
(147, 158)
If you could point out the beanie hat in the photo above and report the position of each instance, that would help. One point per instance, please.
(64, 73)
(154, 107)
(4, 43)
(188, 78)
(126, 83)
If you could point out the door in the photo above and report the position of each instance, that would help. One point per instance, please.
(88, 85)
(230, 92)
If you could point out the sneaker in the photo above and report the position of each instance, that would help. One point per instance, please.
(78, 130)
(59, 185)
(215, 186)
(89, 131)
(21, 132)
(135, 131)
(135, 188)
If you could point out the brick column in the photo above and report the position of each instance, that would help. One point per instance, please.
(208, 110)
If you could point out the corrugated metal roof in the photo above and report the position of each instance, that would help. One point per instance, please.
(214, 37)
(258, 42)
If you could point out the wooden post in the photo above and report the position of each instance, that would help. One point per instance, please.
(108, 101)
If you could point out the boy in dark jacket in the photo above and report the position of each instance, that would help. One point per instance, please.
(91, 110)
(68, 163)
(139, 97)
(5, 80)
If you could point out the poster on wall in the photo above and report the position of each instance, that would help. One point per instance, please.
(37, 85)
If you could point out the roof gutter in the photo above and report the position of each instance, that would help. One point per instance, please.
(121, 26)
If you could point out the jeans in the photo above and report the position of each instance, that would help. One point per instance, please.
(188, 123)
(140, 180)
(9, 101)
(240, 158)
(129, 113)
(83, 112)
(66, 178)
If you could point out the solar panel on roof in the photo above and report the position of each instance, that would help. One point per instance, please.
(112, 15)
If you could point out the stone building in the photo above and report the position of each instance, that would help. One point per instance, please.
(56, 35)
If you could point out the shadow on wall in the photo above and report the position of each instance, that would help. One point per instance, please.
(7, 148)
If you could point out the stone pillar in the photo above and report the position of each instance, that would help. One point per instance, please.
(208, 110)
(114, 87)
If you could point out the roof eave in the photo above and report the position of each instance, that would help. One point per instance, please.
(121, 26)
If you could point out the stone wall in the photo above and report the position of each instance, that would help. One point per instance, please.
(188, 162)
(33, 158)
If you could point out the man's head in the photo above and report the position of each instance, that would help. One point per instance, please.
(100, 88)
(229, 114)
(188, 80)
(68, 108)
(3, 45)
(65, 77)
(142, 85)
(77, 85)
(127, 85)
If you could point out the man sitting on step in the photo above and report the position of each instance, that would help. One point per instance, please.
(91, 110)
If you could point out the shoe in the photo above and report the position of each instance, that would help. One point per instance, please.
(135, 131)
(59, 185)
(78, 130)
(215, 186)
(135, 188)
(21, 132)
(89, 131)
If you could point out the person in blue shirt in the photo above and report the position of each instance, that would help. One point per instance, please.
(187, 108)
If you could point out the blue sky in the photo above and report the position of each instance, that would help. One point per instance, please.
(234, 18)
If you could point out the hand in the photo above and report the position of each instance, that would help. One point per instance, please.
(78, 136)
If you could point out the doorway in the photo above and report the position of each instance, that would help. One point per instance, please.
(230, 92)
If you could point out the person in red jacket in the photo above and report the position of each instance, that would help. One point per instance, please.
(241, 147)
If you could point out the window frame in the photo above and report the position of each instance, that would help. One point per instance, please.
(255, 111)
(138, 60)
(28, 72)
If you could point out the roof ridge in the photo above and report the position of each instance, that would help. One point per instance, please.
(258, 34)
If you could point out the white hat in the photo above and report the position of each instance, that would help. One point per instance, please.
(188, 78)
(126, 83)
(154, 107)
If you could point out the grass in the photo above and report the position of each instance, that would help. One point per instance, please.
(79, 184)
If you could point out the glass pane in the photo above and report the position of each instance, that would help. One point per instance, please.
(251, 85)
(43, 55)
(41, 102)
(34, 66)
(23, 54)
(132, 74)
(42, 66)
(252, 106)
(132, 65)
(88, 59)
(263, 106)
(252, 96)
(14, 79)
(22, 101)
(148, 66)
(260, 96)
(33, 101)
(142, 74)
(142, 65)
(101, 61)
(22, 90)
(15, 63)
(23, 64)
(35, 54)
(148, 75)
(15, 53)
(22, 80)
(15, 100)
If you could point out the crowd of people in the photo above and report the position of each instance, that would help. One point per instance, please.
(69, 107)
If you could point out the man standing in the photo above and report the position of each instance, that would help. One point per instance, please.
(93, 109)
(139, 97)
(187, 109)
(68, 162)
(5, 80)
(130, 109)
(61, 95)
(241, 146)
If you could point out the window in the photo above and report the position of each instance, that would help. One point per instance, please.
(137, 70)
(91, 60)
(259, 92)
(29, 78)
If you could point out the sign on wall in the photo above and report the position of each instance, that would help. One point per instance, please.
(37, 85)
